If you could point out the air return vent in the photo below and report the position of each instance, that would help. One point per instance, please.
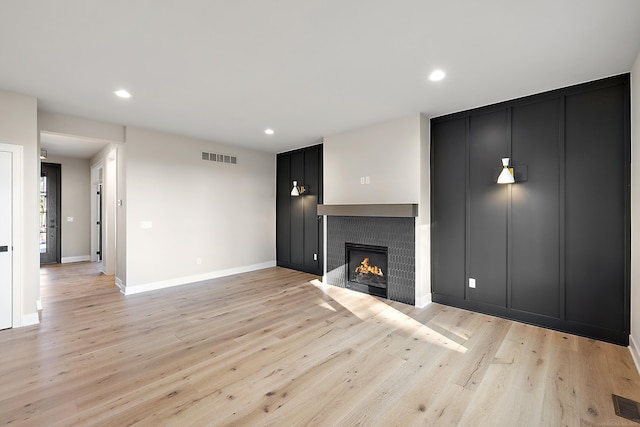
(220, 158)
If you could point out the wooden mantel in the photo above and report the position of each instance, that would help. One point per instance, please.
(404, 210)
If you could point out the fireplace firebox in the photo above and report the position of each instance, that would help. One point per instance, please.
(366, 268)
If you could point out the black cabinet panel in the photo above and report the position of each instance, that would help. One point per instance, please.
(297, 210)
(535, 226)
(448, 142)
(595, 207)
(283, 194)
(487, 231)
(298, 229)
(311, 235)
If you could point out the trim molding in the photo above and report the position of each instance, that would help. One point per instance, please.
(424, 301)
(186, 280)
(30, 319)
(635, 352)
(120, 284)
(404, 210)
(80, 258)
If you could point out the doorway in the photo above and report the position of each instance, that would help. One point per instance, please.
(50, 213)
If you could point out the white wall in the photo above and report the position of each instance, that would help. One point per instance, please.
(76, 126)
(635, 211)
(190, 219)
(395, 156)
(19, 126)
(76, 204)
(388, 153)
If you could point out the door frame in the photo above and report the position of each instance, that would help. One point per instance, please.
(16, 229)
(56, 168)
(97, 173)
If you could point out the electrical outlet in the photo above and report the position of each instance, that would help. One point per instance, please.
(472, 282)
(198, 260)
(315, 257)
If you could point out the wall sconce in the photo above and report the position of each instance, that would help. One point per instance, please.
(297, 189)
(506, 176)
(43, 154)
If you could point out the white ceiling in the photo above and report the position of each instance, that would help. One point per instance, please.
(226, 70)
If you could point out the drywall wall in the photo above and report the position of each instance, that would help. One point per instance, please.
(19, 126)
(76, 126)
(190, 219)
(635, 211)
(387, 153)
(75, 207)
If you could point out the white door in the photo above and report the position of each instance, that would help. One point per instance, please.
(5, 241)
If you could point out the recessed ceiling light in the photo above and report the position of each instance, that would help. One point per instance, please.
(122, 93)
(437, 75)
(269, 131)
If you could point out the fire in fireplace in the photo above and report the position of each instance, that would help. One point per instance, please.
(366, 268)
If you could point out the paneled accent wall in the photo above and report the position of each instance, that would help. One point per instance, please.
(298, 226)
(552, 250)
(397, 234)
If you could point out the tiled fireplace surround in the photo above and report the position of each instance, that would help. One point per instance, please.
(397, 233)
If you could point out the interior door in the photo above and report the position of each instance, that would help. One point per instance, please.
(6, 241)
(50, 213)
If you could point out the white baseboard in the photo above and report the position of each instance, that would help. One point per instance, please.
(635, 352)
(120, 284)
(424, 301)
(185, 280)
(30, 319)
(81, 258)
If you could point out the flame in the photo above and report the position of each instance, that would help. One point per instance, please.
(365, 268)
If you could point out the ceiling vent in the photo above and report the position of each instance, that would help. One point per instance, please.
(220, 158)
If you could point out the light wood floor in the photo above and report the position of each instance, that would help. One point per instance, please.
(272, 348)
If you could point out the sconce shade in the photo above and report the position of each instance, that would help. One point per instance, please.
(506, 176)
(294, 190)
(43, 154)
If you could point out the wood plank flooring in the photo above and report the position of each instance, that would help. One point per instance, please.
(274, 348)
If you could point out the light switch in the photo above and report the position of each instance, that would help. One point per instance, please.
(69, 219)
(146, 224)
(472, 282)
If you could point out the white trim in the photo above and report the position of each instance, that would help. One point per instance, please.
(17, 230)
(120, 284)
(185, 280)
(30, 319)
(38, 304)
(424, 301)
(80, 258)
(635, 352)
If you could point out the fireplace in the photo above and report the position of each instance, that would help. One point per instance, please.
(366, 268)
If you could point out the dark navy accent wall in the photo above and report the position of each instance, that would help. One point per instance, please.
(552, 250)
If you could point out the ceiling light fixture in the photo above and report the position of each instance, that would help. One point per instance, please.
(437, 75)
(269, 131)
(122, 93)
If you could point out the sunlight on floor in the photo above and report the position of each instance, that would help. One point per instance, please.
(367, 307)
